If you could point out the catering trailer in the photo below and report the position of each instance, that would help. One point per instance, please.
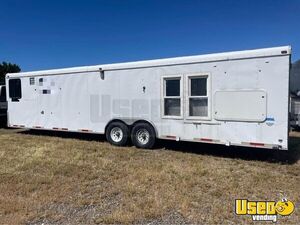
(235, 98)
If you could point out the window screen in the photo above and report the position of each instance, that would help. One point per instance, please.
(198, 107)
(15, 92)
(172, 107)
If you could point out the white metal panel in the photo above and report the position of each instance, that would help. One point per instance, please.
(240, 105)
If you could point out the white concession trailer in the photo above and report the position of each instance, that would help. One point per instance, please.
(234, 98)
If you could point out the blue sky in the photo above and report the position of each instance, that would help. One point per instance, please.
(55, 34)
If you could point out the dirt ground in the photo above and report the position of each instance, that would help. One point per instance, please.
(63, 178)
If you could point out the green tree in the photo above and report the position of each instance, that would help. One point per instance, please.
(7, 68)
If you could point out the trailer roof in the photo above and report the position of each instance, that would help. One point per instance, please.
(257, 53)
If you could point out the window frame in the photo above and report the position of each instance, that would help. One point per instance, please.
(188, 96)
(163, 95)
(10, 92)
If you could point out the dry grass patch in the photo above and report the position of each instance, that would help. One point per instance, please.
(58, 179)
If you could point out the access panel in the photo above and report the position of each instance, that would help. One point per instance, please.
(240, 105)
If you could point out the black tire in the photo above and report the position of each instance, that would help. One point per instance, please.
(112, 131)
(137, 134)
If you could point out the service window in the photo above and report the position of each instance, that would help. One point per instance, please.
(172, 96)
(15, 90)
(198, 97)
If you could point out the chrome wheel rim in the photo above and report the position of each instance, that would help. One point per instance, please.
(116, 134)
(143, 136)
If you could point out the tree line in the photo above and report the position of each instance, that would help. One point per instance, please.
(7, 67)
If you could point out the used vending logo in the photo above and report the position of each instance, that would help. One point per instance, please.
(264, 210)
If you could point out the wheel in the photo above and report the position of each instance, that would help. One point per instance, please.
(143, 135)
(117, 133)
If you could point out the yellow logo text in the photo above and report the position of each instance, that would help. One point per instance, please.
(264, 210)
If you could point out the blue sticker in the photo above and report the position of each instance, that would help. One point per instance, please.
(270, 121)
